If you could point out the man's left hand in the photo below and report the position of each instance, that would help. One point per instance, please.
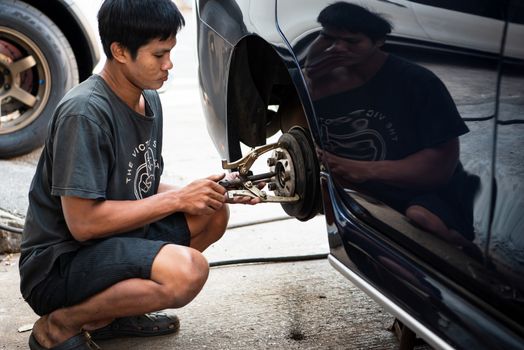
(241, 199)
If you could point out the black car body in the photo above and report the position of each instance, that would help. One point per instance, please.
(253, 61)
(46, 47)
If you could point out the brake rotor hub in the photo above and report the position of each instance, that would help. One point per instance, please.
(281, 163)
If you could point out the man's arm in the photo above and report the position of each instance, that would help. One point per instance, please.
(228, 176)
(90, 219)
(426, 169)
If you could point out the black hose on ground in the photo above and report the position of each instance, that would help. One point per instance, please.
(276, 259)
(11, 229)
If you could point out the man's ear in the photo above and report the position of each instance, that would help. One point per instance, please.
(120, 53)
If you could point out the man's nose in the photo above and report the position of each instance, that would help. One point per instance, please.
(337, 45)
(167, 65)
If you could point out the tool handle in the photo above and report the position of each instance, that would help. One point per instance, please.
(231, 184)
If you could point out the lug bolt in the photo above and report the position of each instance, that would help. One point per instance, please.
(279, 154)
(272, 186)
(7, 87)
(271, 161)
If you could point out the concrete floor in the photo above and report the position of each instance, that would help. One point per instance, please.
(299, 305)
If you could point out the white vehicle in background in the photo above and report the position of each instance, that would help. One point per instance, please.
(466, 24)
(46, 47)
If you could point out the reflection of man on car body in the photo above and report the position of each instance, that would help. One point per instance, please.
(402, 115)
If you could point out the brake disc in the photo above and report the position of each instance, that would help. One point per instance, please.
(297, 172)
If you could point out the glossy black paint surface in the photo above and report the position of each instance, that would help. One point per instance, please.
(464, 283)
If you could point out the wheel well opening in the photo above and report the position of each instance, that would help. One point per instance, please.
(64, 20)
(262, 98)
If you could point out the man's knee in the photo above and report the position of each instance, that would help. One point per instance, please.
(216, 226)
(220, 221)
(181, 272)
(425, 218)
(416, 214)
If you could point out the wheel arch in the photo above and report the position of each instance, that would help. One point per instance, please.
(260, 76)
(68, 18)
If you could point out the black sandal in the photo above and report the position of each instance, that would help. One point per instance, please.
(80, 341)
(148, 325)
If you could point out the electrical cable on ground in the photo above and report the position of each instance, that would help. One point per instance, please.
(230, 227)
(11, 229)
(261, 221)
(259, 260)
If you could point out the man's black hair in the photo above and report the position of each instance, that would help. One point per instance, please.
(134, 23)
(355, 19)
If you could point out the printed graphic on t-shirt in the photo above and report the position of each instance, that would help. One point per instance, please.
(141, 169)
(360, 135)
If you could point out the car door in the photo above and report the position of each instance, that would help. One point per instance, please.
(472, 85)
(372, 215)
(506, 243)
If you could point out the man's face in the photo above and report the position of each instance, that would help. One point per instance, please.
(149, 70)
(338, 48)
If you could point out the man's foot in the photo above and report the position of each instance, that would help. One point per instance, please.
(148, 325)
(47, 333)
(80, 341)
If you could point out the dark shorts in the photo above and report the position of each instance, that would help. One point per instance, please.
(78, 275)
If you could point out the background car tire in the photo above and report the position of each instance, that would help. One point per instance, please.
(307, 185)
(49, 69)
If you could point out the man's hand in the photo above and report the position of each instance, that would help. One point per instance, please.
(426, 169)
(202, 197)
(350, 171)
(92, 219)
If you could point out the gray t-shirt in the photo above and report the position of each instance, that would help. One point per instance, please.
(97, 148)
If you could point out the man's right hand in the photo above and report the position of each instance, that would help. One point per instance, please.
(202, 197)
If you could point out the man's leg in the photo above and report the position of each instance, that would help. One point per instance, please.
(207, 229)
(177, 276)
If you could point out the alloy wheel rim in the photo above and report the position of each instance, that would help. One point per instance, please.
(26, 81)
